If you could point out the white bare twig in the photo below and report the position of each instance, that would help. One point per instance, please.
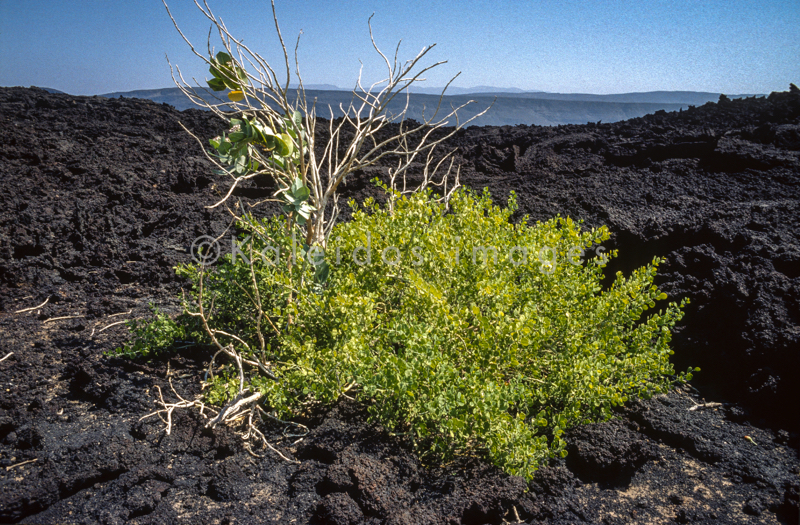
(32, 307)
(23, 463)
(704, 405)
(63, 317)
(352, 144)
(110, 325)
(230, 411)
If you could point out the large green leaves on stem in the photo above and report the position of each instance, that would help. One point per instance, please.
(227, 75)
(295, 201)
(235, 149)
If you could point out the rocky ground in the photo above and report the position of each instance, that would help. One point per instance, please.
(102, 198)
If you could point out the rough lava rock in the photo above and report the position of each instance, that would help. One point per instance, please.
(101, 198)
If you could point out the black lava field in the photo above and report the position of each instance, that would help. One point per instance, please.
(101, 198)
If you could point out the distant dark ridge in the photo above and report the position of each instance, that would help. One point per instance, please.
(51, 90)
(694, 98)
(510, 108)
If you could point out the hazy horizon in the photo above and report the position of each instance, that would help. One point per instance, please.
(95, 47)
(435, 90)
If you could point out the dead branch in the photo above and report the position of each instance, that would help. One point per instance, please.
(110, 325)
(704, 405)
(266, 97)
(23, 463)
(64, 317)
(229, 412)
(32, 307)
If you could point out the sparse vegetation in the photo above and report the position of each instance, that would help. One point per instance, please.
(156, 335)
(457, 328)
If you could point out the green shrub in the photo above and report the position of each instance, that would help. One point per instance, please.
(459, 350)
(151, 337)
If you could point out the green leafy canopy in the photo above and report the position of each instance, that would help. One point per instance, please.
(461, 351)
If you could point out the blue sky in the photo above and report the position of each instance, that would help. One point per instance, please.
(87, 47)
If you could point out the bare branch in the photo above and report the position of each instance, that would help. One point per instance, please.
(33, 307)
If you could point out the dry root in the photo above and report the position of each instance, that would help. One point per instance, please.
(244, 406)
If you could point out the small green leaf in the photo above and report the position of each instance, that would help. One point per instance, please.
(241, 74)
(216, 84)
(215, 71)
(284, 143)
(302, 193)
(230, 84)
(322, 272)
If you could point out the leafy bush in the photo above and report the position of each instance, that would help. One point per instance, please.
(456, 327)
(151, 337)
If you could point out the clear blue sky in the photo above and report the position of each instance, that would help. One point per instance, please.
(87, 47)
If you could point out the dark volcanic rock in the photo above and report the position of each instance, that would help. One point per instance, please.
(102, 198)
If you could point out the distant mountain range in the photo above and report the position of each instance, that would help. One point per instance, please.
(511, 106)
